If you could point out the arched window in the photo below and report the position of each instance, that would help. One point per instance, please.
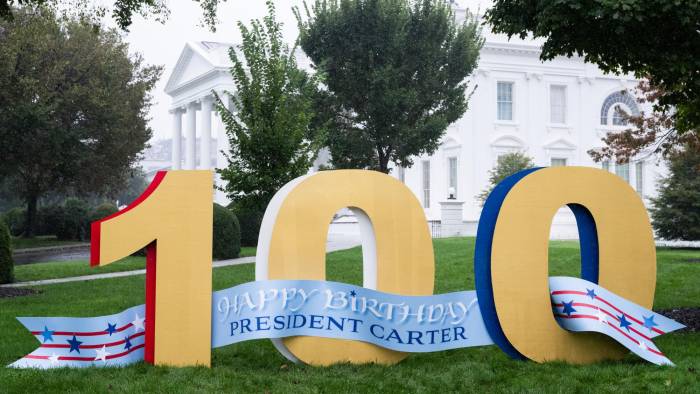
(614, 106)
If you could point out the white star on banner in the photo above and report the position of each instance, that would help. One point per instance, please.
(102, 354)
(53, 359)
(642, 345)
(601, 316)
(138, 323)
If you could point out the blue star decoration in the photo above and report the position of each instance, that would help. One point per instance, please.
(352, 293)
(591, 293)
(74, 344)
(127, 343)
(649, 322)
(624, 323)
(111, 328)
(47, 334)
(569, 307)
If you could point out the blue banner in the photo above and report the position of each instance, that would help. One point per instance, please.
(282, 308)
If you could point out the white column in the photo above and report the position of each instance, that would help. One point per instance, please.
(177, 139)
(205, 133)
(190, 136)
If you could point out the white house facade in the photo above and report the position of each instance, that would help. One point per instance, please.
(552, 111)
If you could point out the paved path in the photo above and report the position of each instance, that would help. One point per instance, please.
(337, 242)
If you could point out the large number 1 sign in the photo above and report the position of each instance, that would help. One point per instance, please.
(173, 220)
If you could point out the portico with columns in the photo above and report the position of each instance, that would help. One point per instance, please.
(201, 72)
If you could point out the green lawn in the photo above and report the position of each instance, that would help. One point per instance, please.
(39, 242)
(257, 367)
(64, 269)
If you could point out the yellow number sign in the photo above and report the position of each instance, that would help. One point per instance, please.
(511, 261)
(292, 245)
(173, 218)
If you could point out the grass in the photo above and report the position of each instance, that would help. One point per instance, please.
(65, 269)
(257, 367)
(39, 242)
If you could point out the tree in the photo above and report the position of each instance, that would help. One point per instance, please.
(7, 265)
(676, 211)
(135, 186)
(507, 165)
(73, 107)
(271, 132)
(395, 72)
(653, 39)
(122, 11)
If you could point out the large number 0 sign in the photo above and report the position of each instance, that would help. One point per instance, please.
(516, 305)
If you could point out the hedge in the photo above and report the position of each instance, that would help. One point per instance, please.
(227, 234)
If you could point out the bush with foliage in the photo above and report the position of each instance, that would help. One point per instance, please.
(676, 210)
(15, 219)
(227, 234)
(250, 215)
(74, 220)
(7, 266)
(507, 165)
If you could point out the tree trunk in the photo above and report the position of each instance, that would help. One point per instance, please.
(30, 223)
(383, 161)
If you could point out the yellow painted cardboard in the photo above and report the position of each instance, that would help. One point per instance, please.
(519, 258)
(405, 263)
(178, 216)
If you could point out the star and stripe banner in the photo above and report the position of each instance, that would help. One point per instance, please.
(580, 306)
(282, 308)
(113, 340)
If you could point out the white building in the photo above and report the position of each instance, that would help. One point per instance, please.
(553, 111)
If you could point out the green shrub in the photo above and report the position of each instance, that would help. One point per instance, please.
(73, 225)
(49, 219)
(250, 215)
(15, 219)
(7, 266)
(227, 234)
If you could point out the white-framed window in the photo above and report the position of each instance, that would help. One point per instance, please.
(623, 171)
(426, 183)
(558, 162)
(557, 104)
(452, 175)
(614, 108)
(504, 100)
(402, 174)
(605, 165)
(639, 176)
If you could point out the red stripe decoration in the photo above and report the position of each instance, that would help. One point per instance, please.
(84, 334)
(151, 252)
(573, 292)
(98, 346)
(76, 358)
(576, 316)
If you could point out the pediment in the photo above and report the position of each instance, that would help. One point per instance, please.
(449, 143)
(560, 144)
(189, 66)
(508, 141)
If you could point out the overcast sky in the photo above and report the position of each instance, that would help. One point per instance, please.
(162, 43)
